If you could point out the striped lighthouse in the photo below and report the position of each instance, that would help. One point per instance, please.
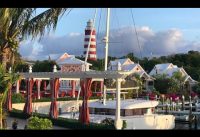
(90, 37)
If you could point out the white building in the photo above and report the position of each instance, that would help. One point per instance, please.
(135, 68)
(168, 69)
(68, 63)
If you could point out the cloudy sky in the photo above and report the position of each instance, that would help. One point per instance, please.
(161, 31)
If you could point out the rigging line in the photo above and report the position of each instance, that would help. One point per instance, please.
(99, 24)
(98, 33)
(123, 36)
(136, 34)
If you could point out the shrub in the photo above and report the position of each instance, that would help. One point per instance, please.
(130, 94)
(108, 122)
(17, 98)
(62, 122)
(39, 123)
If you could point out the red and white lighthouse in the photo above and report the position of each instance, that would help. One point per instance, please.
(90, 36)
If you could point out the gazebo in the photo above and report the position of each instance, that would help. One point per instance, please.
(55, 77)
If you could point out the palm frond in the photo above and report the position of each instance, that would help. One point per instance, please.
(47, 20)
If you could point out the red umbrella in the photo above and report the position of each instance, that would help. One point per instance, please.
(84, 112)
(9, 99)
(73, 82)
(53, 108)
(28, 104)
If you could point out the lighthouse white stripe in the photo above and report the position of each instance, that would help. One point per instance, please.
(91, 43)
(89, 28)
(92, 56)
(91, 49)
(88, 36)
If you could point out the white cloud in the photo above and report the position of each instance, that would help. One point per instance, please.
(74, 34)
(122, 41)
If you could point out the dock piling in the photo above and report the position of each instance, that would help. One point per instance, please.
(183, 103)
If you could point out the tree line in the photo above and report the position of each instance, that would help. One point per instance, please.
(189, 61)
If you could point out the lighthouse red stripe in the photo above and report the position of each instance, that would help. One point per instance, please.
(92, 39)
(88, 32)
(90, 52)
(91, 46)
(92, 59)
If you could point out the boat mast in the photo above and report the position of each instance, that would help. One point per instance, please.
(107, 38)
(106, 51)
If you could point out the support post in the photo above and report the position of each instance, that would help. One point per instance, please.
(190, 114)
(60, 109)
(17, 86)
(162, 101)
(73, 84)
(196, 122)
(104, 95)
(196, 107)
(38, 89)
(170, 103)
(183, 103)
(137, 93)
(118, 121)
(166, 109)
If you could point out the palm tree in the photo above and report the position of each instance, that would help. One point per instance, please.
(179, 79)
(21, 23)
(6, 82)
(138, 81)
(16, 25)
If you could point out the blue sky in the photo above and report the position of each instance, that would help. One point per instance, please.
(154, 25)
(186, 19)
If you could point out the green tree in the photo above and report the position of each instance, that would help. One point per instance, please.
(44, 66)
(177, 81)
(6, 82)
(20, 23)
(196, 88)
(21, 67)
(138, 80)
(162, 83)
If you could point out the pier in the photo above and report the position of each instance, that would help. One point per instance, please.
(185, 112)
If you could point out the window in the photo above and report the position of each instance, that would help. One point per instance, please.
(150, 83)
